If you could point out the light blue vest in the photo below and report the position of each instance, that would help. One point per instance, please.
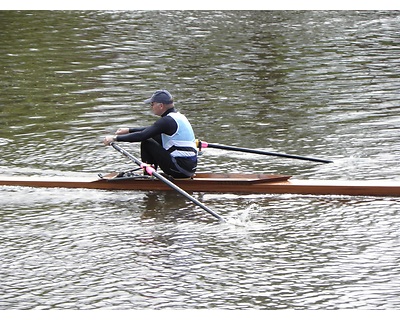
(182, 142)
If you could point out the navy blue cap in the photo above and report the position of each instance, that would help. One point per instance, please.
(162, 96)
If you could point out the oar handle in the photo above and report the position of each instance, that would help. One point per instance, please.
(203, 144)
(151, 171)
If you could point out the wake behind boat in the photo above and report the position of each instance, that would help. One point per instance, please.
(216, 183)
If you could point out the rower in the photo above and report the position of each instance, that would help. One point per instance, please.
(169, 143)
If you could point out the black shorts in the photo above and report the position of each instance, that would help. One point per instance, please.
(153, 153)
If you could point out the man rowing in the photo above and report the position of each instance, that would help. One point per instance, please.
(168, 143)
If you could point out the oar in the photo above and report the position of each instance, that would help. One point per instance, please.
(203, 144)
(151, 171)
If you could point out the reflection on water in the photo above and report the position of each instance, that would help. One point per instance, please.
(311, 83)
(90, 250)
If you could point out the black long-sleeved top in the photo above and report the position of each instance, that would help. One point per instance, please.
(165, 125)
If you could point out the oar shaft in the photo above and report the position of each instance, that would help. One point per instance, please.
(154, 173)
(261, 152)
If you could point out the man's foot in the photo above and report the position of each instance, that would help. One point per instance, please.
(128, 174)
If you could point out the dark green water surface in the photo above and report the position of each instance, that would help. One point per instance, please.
(312, 83)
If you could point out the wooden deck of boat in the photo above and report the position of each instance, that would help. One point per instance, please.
(220, 183)
(202, 182)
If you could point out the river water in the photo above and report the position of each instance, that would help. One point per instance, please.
(312, 83)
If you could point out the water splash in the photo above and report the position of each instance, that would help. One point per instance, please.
(242, 218)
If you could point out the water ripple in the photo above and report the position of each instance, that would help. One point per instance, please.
(311, 83)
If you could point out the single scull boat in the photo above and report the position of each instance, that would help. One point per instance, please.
(217, 183)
